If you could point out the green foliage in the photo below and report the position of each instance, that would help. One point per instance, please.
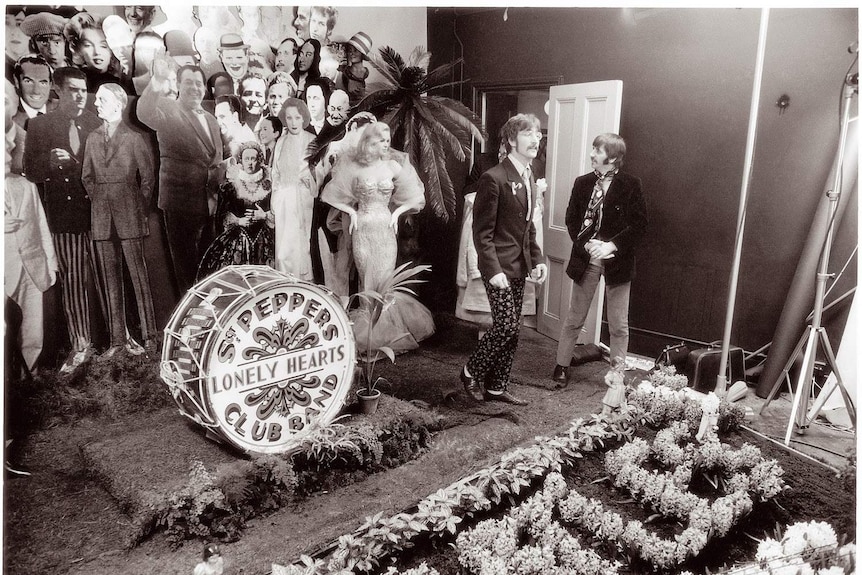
(111, 389)
(429, 128)
(218, 504)
(373, 301)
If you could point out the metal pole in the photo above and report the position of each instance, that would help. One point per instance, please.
(721, 382)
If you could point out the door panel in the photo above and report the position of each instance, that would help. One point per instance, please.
(577, 114)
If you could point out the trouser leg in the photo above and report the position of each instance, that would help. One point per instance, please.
(133, 251)
(73, 256)
(493, 356)
(618, 318)
(111, 266)
(579, 307)
(184, 233)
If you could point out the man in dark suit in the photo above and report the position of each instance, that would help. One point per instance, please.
(505, 240)
(606, 219)
(53, 154)
(190, 149)
(119, 174)
(33, 77)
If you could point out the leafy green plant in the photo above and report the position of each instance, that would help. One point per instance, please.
(373, 302)
(428, 128)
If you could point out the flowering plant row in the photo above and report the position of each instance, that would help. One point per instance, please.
(441, 514)
(807, 548)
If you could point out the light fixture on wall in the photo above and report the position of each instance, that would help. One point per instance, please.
(782, 103)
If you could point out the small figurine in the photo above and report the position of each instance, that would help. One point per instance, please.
(213, 563)
(615, 379)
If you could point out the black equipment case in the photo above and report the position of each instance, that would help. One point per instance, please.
(702, 366)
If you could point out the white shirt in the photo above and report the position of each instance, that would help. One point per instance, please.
(522, 170)
(33, 112)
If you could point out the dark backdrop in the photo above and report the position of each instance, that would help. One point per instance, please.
(687, 86)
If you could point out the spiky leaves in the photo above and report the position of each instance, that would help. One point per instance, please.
(431, 129)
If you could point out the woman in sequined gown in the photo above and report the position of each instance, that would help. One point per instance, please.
(375, 186)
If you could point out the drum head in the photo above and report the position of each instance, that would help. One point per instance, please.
(258, 357)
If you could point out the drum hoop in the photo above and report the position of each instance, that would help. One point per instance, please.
(170, 367)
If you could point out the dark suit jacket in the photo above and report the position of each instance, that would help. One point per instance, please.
(504, 238)
(189, 157)
(67, 204)
(119, 175)
(624, 221)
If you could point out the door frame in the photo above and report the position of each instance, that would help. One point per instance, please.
(482, 88)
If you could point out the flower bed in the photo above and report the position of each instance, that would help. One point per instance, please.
(561, 519)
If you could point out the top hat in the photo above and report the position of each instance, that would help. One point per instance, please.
(42, 24)
(362, 42)
(231, 42)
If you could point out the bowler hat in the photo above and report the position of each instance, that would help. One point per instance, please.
(231, 42)
(42, 24)
(362, 42)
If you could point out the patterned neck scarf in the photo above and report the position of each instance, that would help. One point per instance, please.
(593, 216)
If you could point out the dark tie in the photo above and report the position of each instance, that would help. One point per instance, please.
(74, 138)
(526, 178)
(593, 216)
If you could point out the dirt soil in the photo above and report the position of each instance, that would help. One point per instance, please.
(61, 520)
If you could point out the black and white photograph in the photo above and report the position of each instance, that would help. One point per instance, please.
(404, 289)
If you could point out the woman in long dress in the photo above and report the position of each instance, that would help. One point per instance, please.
(293, 193)
(244, 210)
(375, 186)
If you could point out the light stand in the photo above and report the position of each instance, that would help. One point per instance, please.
(815, 333)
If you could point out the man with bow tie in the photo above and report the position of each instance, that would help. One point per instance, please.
(606, 219)
(505, 240)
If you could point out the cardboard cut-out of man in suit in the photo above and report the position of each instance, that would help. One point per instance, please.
(190, 151)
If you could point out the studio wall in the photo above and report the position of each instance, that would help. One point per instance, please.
(688, 76)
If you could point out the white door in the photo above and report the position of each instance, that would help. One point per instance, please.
(577, 113)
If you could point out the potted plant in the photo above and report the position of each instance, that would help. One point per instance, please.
(372, 345)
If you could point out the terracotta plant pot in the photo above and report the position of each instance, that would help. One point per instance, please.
(368, 403)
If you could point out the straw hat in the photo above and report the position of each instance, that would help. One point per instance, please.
(362, 42)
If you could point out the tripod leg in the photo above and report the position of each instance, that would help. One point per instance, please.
(803, 388)
(839, 382)
(785, 372)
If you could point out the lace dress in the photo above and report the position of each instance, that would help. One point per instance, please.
(293, 205)
(240, 245)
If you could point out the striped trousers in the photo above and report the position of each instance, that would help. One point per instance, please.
(75, 257)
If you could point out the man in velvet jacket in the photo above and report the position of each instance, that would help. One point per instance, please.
(505, 240)
(190, 150)
(606, 219)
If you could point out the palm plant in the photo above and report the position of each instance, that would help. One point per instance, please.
(428, 128)
(372, 304)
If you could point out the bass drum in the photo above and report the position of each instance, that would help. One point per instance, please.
(257, 356)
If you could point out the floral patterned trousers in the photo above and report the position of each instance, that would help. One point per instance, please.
(491, 362)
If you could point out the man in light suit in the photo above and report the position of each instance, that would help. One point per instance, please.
(190, 149)
(606, 219)
(505, 240)
(30, 265)
(52, 156)
(119, 174)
